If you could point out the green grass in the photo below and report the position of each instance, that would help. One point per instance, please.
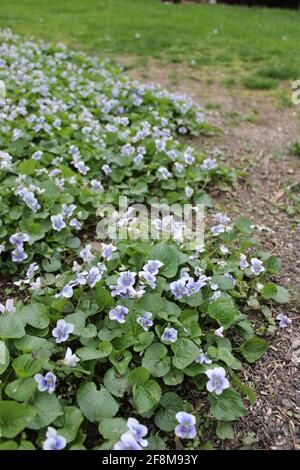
(283, 72)
(295, 149)
(206, 33)
(255, 82)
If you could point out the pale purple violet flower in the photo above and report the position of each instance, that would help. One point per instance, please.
(18, 239)
(145, 321)
(169, 334)
(75, 223)
(152, 266)
(67, 211)
(243, 261)
(126, 279)
(8, 307)
(217, 230)
(70, 359)
(86, 254)
(148, 278)
(66, 292)
(219, 332)
(107, 251)
(118, 313)
(54, 441)
(189, 192)
(284, 320)
(127, 442)
(18, 255)
(58, 222)
(208, 164)
(46, 383)
(31, 270)
(62, 331)
(139, 431)
(178, 288)
(256, 266)
(202, 358)
(186, 428)
(217, 380)
(93, 276)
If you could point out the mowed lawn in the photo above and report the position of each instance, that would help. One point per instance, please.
(203, 34)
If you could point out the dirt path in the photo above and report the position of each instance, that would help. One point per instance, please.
(255, 137)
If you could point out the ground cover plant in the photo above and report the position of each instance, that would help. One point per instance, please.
(113, 345)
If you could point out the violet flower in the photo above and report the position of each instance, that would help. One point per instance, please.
(186, 428)
(46, 383)
(169, 334)
(284, 320)
(58, 222)
(62, 331)
(118, 313)
(145, 321)
(217, 380)
(54, 441)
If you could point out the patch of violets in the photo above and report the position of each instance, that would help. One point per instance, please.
(78, 133)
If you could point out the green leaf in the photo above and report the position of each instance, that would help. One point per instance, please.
(115, 383)
(273, 265)
(11, 326)
(254, 348)
(33, 343)
(185, 352)
(103, 298)
(21, 389)
(48, 409)
(225, 430)
(223, 311)
(36, 315)
(88, 353)
(35, 230)
(277, 293)
(14, 417)
(228, 406)
(167, 255)
(226, 356)
(27, 167)
(144, 340)
(96, 404)
(105, 348)
(112, 428)
(244, 225)
(138, 376)
(165, 418)
(149, 303)
(156, 443)
(25, 366)
(195, 300)
(26, 445)
(9, 445)
(4, 357)
(51, 265)
(120, 360)
(173, 377)
(156, 360)
(223, 282)
(72, 421)
(146, 396)
(251, 395)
